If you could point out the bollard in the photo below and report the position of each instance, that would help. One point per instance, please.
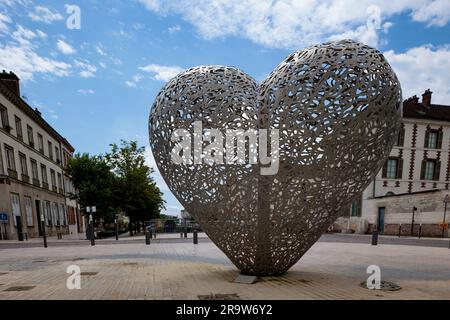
(92, 233)
(147, 237)
(420, 231)
(399, 230)
(195, 237)
(181, 234)
(154, 234)
(374, 237)
(185, 232)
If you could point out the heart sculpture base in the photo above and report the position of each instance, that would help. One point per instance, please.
(334, 110)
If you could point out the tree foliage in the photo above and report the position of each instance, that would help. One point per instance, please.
(118, 181)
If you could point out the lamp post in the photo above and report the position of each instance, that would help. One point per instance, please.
(412, 222)
(446, 200)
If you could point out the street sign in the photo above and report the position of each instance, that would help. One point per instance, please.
(3, 217)
(88, 209)
(94, 209)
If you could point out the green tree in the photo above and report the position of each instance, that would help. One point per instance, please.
(95, 183)
(140, 198)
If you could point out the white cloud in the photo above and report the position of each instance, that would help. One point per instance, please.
(100, 50)
(87, 70)
(41, 34)
(421, 68)
(174, 29)
(85, 91)
(435, 13)
(44, 14)
(134, 81)
(294, 24)
(64, 47)
(162, 73)
(4, 20)
(20, 56)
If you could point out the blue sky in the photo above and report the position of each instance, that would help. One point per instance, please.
(95, 85)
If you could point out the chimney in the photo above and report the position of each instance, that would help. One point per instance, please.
(11, 81)
(413, 99)
(426, 98)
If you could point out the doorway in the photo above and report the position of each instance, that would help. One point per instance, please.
(38, 215)
(380, 222)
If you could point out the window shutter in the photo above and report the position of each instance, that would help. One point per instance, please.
(437, 170)
(439, 139)
(384, 171)
(422, 170)
(402, 137)
(427, 134)
(399, 168)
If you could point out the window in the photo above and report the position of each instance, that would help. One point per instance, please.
(34, 169)
(50, 150)
(23, 164)
(10, 162)
(4, 117)
(401, 137)
(15, 204)
(53, 177)
(393, 168)
(433, 139)
(30, 136)
(47, 213)
(58, 158)
(40, 143)
(19, 132)
(28, 211)
(44, 174)
(62, 214)
(55, 216)
(430, 169)
(60, 184)
(356, 208)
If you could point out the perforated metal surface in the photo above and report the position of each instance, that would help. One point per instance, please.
(337, 109)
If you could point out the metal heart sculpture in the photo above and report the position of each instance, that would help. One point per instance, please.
(335, 109)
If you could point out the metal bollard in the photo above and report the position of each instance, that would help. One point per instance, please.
(195, 237)
(147, 237)
(374, 237)
(185, 232)
(420, 231)
(399, 230)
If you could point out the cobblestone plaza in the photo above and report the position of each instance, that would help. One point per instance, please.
(177, 269)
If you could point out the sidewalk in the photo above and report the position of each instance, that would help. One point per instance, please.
(81, 238)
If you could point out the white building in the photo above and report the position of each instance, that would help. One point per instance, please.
(32, 180)
(418, 167)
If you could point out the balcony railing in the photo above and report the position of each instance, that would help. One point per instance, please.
(36, 182)
(12, 173)
(45, 185)
(25, 178)
(55, 189)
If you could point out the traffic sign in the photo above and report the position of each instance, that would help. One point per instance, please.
(3, 217)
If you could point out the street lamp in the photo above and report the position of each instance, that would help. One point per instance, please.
(446, 200)
(412, 223)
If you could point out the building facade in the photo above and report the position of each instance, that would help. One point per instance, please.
(415, 175)
(33, 185)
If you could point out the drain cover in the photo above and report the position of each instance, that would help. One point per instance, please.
(89, 273)
(220, 296)
(20, 288)
(384, 286)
